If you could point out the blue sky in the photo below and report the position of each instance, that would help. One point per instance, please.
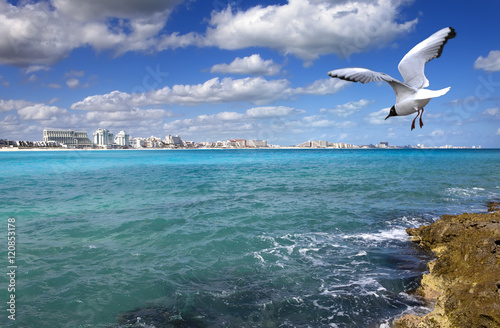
(217, 70)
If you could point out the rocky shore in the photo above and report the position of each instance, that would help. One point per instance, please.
(463, 283)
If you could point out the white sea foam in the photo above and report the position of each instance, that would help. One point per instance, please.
(464, 192)
(361, 253)
(398, 233)
(259, 257)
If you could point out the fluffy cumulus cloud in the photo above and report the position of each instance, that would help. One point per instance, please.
(25, 116)
(308, 29)
(43, 32)
(8, 105)
(256, 90)
(252, 65)
(41, 112)
(490, 63)
(113, 101)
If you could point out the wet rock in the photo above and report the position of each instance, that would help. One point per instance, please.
(463, 282)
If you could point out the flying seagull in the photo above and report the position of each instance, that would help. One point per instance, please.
(411, 96)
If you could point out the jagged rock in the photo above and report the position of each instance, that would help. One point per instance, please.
(463, 282)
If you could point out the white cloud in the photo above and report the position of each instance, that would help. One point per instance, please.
(252, 65)
(254, 121)
(256, 90)
(9, 120)
(42, 33)
(378, 117)
(113, 101)
(349, 108)
(273, 112)
(8, 105)
(219, 124)
(494, 112)
(135, 118)
(316, 121)
(36, 68)
(343, 28)
(498, 132)
(323, 87)
(74, 83)
(40, 112)
(46, 116)
(491, 63)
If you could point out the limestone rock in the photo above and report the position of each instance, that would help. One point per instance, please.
(463, 282)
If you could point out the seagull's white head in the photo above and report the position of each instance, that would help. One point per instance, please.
(392, 112)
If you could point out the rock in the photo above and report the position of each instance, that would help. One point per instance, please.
(463, 282)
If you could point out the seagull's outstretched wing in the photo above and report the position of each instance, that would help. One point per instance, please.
(363, 75)
(413, 63)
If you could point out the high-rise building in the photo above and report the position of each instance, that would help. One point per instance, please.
(103, 138)
(174, 140)
(69, 138)
(122, 139)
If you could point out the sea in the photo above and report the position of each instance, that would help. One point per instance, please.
(226, 238)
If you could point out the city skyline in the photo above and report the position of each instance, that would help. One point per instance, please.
(220, 70)
(105, 139)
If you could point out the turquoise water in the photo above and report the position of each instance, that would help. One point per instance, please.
(232, 238)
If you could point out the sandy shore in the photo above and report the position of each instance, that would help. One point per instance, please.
(463, 283)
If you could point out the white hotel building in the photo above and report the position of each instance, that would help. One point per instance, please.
(122, 139)
(103, 138)
(69, 138)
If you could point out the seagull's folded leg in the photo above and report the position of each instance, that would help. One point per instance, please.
(413, 123)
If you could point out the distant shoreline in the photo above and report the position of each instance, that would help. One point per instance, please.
(16, 149)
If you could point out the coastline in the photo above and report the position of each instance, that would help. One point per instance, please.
(463, 283)
(17, 149)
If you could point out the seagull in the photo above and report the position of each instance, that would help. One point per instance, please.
(411, 96)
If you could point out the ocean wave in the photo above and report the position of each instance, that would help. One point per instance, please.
(398, 233)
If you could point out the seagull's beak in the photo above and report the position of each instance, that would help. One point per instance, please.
(392, 112)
